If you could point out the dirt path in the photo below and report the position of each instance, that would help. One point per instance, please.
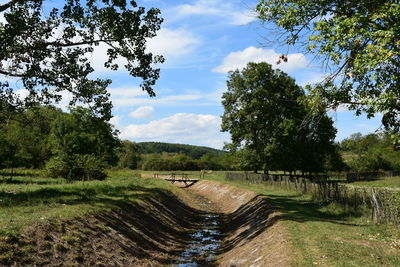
(156, 230)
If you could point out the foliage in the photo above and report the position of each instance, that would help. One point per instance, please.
(25, 138)
(128, 155)
(83, 143)
(76, 167)
(47, 45)
(358, 40)
(75, 145)
(371, 152)
(268, 123)
(195, 152)
(181, 162)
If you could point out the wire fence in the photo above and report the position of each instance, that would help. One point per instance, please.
(382, 204)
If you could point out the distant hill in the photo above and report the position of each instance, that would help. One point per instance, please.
(195, 152)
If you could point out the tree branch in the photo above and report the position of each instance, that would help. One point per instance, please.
(12, 74)
(59, 44)
(8, 5)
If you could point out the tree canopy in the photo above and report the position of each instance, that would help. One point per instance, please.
(267, 121)
(371, 152)
(359, 43)
(75, 145)
(47, 46)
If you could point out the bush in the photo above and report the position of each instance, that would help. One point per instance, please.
(78, 167)
(57, 167)
(92, 168)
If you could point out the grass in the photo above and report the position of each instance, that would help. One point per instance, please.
(320, 234)
(388, 182)
(326, 235)
(28, 200)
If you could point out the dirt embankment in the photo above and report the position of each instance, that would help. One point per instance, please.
(155, 231)
(151, 232)
(254, 234)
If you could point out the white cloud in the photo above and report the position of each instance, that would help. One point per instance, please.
(192, 99)
(22, 93)
(115, 121)
(126, 92)
(170, 43)
(142, 112)
(239, 60)
(224, 10)
(173, 43)
(186, 128)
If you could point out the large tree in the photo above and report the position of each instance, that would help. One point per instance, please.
(359, 43)
(266, 118)
(82, 145)
(47, 46)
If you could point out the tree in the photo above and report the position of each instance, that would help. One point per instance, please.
(267, 121)
(47, 46)
(260, 109)
(358, 41)
(82, 145)
(370, 152)
(25, 138)
(128, 155)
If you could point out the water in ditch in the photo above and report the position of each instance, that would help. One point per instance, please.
(205, 244)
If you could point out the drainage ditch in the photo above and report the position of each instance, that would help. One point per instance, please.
(206, 241)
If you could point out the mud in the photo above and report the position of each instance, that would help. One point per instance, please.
(233, 227)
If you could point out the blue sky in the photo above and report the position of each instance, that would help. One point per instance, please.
(202, 40)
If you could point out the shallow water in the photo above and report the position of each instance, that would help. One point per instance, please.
(203, 249)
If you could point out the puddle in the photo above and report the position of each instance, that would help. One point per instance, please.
(203, 248)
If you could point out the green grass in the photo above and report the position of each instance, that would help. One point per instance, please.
(389, 182)
(326, 235)
(27, 200)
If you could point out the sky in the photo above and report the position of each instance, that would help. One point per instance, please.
(202, 40)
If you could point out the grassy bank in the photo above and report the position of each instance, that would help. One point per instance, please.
(326, 235)
(32, 199)
(387, 182)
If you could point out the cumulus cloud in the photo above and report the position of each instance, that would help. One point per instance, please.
(173, 43)
(170, 43)
(224, 10)
(239, 60)
(179, 128)
(185, 99)
(115, 121)
(142, 112)
(126, 92)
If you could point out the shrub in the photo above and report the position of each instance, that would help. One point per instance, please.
(57, 167)
(77, 167)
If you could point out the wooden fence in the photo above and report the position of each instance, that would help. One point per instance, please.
(382, 204)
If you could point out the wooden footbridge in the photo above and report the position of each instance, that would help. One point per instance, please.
(177, 178)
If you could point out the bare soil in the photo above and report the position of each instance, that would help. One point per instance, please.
(155, 231)
(254, 234)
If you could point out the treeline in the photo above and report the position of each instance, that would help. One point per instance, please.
(75, 145)
(371, 152)
(182, 162)
(194, 152)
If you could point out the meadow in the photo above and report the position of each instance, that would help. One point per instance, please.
(320, 233)
(29, 198)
